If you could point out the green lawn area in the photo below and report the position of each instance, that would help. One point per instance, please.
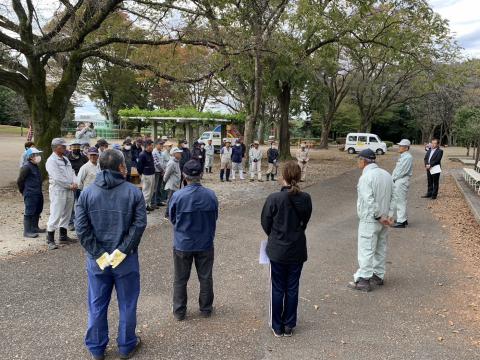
(12, 130)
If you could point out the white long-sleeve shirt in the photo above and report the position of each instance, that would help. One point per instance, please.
(255, 154)
(87, 174)
(60, 172)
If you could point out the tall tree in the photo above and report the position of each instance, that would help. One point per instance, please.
(72, 37)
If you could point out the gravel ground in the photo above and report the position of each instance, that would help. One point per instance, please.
(324, 164)
(413, 316)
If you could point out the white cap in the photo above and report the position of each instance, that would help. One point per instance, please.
(175, 150)
(404, 142)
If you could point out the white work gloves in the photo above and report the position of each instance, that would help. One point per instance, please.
(103, 261)
(114, 259)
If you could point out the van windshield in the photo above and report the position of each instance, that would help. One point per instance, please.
(206, 135)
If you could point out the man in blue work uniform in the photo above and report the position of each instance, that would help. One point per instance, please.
(193, 212)
(30, 186)
(110, 221)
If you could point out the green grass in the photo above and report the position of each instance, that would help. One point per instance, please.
(12, 130)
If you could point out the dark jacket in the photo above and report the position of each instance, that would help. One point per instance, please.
(145, 164)
(287, 243)
(136, 151)
(237, 154)
(436, 158)
(30, 180)
(186, 155)
(198, 154)
(127, 154)
(110, 214)
(272, 155)
(77, 161)
(193, 212)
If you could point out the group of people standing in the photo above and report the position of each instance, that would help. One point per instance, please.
(111, 216)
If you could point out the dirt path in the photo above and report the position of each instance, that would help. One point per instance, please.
(324, 164)
(414, 316)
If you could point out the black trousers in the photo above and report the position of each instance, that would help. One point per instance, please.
(284, 298)
(182, 263)
(433, 181)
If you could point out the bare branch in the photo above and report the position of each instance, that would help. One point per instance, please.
(61, 23)
(14, 81)
(145, 67)
(119, 40)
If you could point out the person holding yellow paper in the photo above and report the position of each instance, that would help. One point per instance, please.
(110, 220)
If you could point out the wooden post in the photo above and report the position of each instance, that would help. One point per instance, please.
(154, 129)
(189, 133)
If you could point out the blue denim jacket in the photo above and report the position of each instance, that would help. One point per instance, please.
(193, 212)
(110, 214)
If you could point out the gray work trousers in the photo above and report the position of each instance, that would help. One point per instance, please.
(182, 263)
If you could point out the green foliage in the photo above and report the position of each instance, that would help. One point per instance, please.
(347, 119)
(467, 125)
(13, 110)
(180, 113)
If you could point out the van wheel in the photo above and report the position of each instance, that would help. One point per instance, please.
(351, 150)
(380, 152)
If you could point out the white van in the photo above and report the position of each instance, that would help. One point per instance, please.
(216, 138)
(356, 142)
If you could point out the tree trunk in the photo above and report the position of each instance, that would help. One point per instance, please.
(261, 131)
(365, 124)
(326, 127)
(251, 120)
(284, 98)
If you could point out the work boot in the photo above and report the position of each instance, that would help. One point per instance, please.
(268, 177)
(400, 225)
(361, 285)
(51, 240)
(252, 180)
(273, 177)
(210, 170)
(228, 175)
(28, 228)
(221, 175)
(376, 280)
(36, 219)
(64, 238)
(241, 175)
(233, 174)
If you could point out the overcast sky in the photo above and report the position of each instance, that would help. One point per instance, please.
(464, 18)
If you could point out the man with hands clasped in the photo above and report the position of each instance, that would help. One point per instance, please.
(110, 220)
(374, 212)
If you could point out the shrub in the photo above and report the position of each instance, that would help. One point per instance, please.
(389, 144)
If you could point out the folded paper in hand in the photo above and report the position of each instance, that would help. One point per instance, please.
(263, 258)
(435, 170)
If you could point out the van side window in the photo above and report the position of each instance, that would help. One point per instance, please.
(352, 138)
(362, 138)
(216, 135)
(373, 139)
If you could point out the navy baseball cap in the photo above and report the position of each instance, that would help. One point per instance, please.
(192, 168)
(367, 154)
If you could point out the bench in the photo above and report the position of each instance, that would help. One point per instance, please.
(467, 161)
(472, 177)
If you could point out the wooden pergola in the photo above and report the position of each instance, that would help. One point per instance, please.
(187, 121)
